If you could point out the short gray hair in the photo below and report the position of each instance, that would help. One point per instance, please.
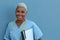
(23, 5)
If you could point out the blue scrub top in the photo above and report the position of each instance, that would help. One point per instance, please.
(13, 33)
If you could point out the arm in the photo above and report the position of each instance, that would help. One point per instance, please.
(37, 32)
(6, 36)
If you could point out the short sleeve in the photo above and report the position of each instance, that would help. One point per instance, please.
(37, 32)
(6, 36)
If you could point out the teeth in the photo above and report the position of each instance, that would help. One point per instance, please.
(19, 17)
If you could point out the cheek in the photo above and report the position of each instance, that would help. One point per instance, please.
(23, 15)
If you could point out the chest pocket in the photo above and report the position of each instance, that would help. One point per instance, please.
(15, 35)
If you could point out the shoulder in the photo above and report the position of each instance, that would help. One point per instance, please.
(31, 22)
(10, 23)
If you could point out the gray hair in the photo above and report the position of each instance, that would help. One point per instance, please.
(23, 5)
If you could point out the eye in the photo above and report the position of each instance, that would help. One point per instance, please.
(22, 11)
(17, 11)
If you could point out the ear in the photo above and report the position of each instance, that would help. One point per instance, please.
(26, 13)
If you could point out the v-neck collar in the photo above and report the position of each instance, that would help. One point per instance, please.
(20, 25)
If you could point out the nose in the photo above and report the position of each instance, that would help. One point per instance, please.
(19, 13)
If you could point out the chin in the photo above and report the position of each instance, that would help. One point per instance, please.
(20, 19)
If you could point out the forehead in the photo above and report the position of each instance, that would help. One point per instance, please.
(20, 8)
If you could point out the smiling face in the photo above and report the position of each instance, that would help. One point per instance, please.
(20, 13)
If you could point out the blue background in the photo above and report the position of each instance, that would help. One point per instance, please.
(46, 13)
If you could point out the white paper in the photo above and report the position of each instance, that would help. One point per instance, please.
(29, 34)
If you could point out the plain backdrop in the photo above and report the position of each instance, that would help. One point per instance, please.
(45, 13)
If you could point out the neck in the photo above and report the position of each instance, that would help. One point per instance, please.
(19, 22)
